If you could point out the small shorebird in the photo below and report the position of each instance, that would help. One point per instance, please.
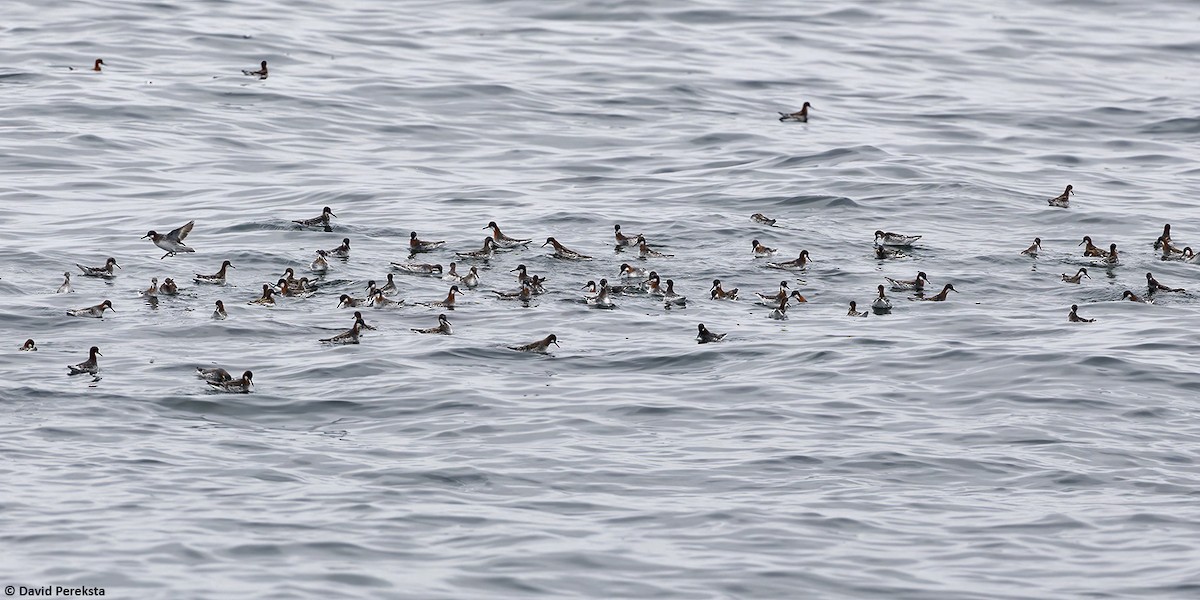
(1077, 277)
(773, 299)
(29, 346)
(504, 241)
(220, 314)
(799, 264)
(881, 304)
(168, 287)
(1155, 286)
(95, 65)
(488, 251)
(854, 310)
(541, 346)
(1170, 252)
(172, 242)
(321, 263)
(761, 219)
(217, 278)
(1188, 256)
(780, 312)
(471, 279)
(631, 272)
(1063, 199)
(1074, 316)
(1033, 249)
(418, 268)
(1091, 249)
(563, 252)
(348, 301)
(358, 320)
(602, 299)
(719, 293)
(761, 251)
(213, 374)
(800, 116)
(416, 245)
(443, 327)
(106, 271)
(887, 238)
(645, 251)
(883, 253)
(448, 302)
(321, 221)
(152, 291)
(267, 298)
(622, 239)
(389, 288)
(705, 336)
(1132, 297)
(670, 297)
(235, 386)
(261, 73)
(65, 288)
(348, 337)
(1112, 260)
(94, 312)
(89, 366)
(941, 296)
(380, 301)
(1165, 237)
(525, 294)
(342, 251)
(903, 285)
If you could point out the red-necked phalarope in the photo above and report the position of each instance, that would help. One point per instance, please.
(1077, 277)
(1112, 259)
(602, 298)
(389, 288)
(168, 287)
(887, 238)
(29, 346)
(342, 251)
(321, 221)
(381, 301)
(705, 336)
(443, 327)
(1165, 237)
(358, 320)
(488, 251)
(419, 268)
(541, 346)
(348, 301)
(106, 271)
(854, 310)
(220, 314)
(172, 242)
(217, 278)
(1090, 249)
(94, 312)
(622, 239)
(561, 251)
(261, 73)
(152, 291)
(471, 279)
(1063, 199)
(644, 251)
(1189, 257)
(773, 298)
(417, 245)
(941, 296)
(1074, 316)
(761, 219)
(525, 294)
(1033, 249)
(448, 302)
(504, 241)
(321, 263)
(670, 297)
(780, 312)
(881, 304)
(631, 272)
(89, 366)
(799, 264)
(235, 386)
(1155, 286)
(652, 284)
(348, 337)
(1132, 297)
(267, 298)
(903, 285)
(883, 253)
(719, 293)
(1170, 252)
(522, 273)
(95, 65)
(800, 116)
(761, 251)
(65, 288)
(213, 374)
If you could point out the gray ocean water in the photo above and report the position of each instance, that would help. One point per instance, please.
(983, 447)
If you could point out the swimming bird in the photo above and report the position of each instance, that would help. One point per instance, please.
(168, 287)
(881, 304)
(602, 298)
(29, 346)
(1033, 249)
(381, 301)
(416, 245)
(1077, 277)
(389, 288)
(235, 386)
(452, 273)
(563, 252)
(348, 337)
(448, 302)
(800, 116)
(267, 298)
(887, 238)
(213, 374)
(286, 290)
(1155, 286)
(362, 324)
(418, 268)
(504, 241)
(917, 284)
(761, 251)
(883, 253)
(342, 251)
(1074, 316)
(217, 278)
(780, 312)
(631, 272)
(443, 327)
(670, 297)
(152, 291)
(622, 239)
(1112, 260)
(941, 296)
(96, 64)
(522, 273)
(1132, 297)
(348, 301)
(471, 279)
(1165, 237)
(761, 219)
(65, 288)
(261, 73)
(321, 263)
(541, 346)
(705, 336)
(799, 264)
(1090, 249)
(1188, 256)
(94, 312)
(653, 285)
(321, 221)
(644, 251)
(1170, 252)
(1062, 200)
(89, 366)
(719, 293)
(535, 285)
(106, 271)
(488, 251)
(172, 242)
(854, 310)
(773, 298)
(525, 294)
(220, 314)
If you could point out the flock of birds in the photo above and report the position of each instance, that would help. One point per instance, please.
(634, 280)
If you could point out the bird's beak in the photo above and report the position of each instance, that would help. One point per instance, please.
(98, 353)
(118, 266)
(1086, 275)
(144, 237)
(954, 290)
(1081, 243)
(544, 244)
(232, 267)
(556, 343)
